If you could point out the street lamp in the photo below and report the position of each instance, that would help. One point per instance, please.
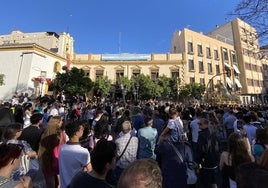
(124, 92)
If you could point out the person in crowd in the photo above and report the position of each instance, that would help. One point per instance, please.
(207, 155)
(18, 112)
(72, 156)
(136, 117)
(255, 119)
(172, 167)
(27, 113)
(141, 173)
(87, 135)
(32, 134)
(127, 147)
(264, 159)
(103, 158)
(228, 122)
(122, 116)
(250, 129)
(261, 143)
(238, 152)
(10, 155)
(147, 140)
(158, 123)
(194, 129)
(6, 117)
(239, 122)
(54, 109)
(98, 115)
(174, 130)
(51, 140)
(252, 175)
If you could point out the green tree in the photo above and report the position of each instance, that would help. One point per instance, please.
(147, 87)
(102, 86)
(192, 91)
(72, 82)
(2, 79)
(165, 87)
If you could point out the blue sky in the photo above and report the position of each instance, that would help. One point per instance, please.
(113, 26)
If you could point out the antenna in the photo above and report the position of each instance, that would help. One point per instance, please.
(119, 43)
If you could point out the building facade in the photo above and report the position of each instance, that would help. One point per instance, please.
(245, 41)
(208, 61)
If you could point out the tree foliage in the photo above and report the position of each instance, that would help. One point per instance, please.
(192, 91)
(72, 82)
(102, 86)
(255, 13)
(2, 79)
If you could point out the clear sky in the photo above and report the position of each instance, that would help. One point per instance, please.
(113, 26)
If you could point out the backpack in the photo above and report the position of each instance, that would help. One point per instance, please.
(212, 156)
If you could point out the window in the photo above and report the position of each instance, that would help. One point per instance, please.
(190, 47)
(175, 74)
(209, 68)
(154, 74)
(87, 73)
(191, 64)
(208, 52)
(201, 66)
(233, 57)
(217, 69)
(119, 74)
(202, 81)
(99, 73)
(199, 49)
(136, 72)
(192, 80)
(174, 49)
(225, 55)
(250, 82)
(248, 66)
(216, 54)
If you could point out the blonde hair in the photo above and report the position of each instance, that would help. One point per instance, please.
(142, 173)
(126, 126)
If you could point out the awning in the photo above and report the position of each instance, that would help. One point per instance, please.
(229, 82)
(236, 69)
(238, 83)
(228, 66)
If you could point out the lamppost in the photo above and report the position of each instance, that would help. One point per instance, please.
(211, 79)
(124, 92)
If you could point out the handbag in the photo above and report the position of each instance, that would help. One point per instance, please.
(191, 175)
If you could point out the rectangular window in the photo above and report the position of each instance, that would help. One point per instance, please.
(217, 69)
(119, 74)
(199, 50)
(136, 72)
(87, 73)
(99, 73)
(216, 54)
(209, 68)
(175, 74)
(154, 75)
(234, 57)
(192, 80)
(191, 64)
(201, 66)
(202, 81)
(190, 47)
(225, 55)
(208, 52)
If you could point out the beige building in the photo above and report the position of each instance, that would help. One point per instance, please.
(116, 65)
(207, 61)
(245, 41)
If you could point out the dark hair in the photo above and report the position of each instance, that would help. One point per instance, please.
(101, 129)
(35, 118)
(9, 152)
(103, 153)
(11, 131)
(72, 127)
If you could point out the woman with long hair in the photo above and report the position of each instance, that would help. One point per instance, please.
(238, 152)
(51, 140)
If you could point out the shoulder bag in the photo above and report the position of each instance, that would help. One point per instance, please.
(119, 157)
(191, 175)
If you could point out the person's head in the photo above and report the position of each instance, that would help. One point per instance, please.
(36, 118)
(74, 128)
(54, 125)
(237, 147)
(10, 155)
(126, 127)
(142, 173)
(203, 123)
(149, 122)
(173, 112)
(12, 131)
(103, 156)
(251, 175)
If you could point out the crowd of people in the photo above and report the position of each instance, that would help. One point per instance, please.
(51, 142)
